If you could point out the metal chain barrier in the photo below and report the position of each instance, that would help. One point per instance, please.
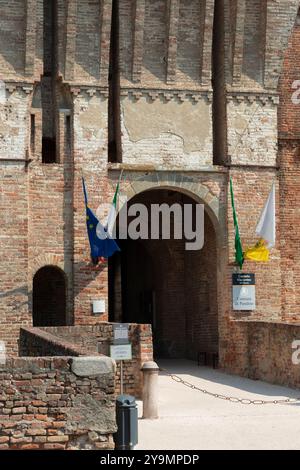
(243, 401)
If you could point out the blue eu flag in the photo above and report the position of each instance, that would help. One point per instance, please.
(103, 247)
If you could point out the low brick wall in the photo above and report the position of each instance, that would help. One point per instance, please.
(270, 352)
(36, 342)
(95, 339)
(52, 403)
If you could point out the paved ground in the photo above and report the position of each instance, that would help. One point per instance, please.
(191, 420)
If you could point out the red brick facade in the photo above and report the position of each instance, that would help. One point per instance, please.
(94, 341)
(288, 156)
(45, 406)
(147, 92)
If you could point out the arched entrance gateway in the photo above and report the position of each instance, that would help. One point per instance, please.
(159, 281)
(49, 297)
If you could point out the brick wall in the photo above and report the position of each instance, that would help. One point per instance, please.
(289, 114)
(189, 40)
(254, 43)
(254, 40)
(201, 301)
(87, 41)
(270, 352)
(13, 36)
(288, 130)
(37, 342)
(251, 189)
(14, 111)
(92, 341)
(45, 405)
(13, 254)
(166, 116)
(165, 73)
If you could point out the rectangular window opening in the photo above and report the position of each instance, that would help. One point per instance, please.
(48, 150)
(48, 83)
(114, 119)
(32, 134)
(68, 133)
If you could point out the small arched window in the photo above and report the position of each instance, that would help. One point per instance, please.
(49, 297)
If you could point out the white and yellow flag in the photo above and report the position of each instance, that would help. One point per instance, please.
(266, 230)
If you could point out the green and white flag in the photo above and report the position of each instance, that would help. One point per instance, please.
(239, 257)
(111, 219)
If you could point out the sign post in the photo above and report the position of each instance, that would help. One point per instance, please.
(121, 377)
(121, 349)
(243, 291)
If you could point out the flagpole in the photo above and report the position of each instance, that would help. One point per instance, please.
(120, 179)
(119, 183)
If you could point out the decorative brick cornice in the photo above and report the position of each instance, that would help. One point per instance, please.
(90, 91)
(11, 86)
(248, 97)
(167, 95)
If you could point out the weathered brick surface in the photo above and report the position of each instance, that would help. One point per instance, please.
(37, 342)
(252, 129)
(166, 140)
(256, 37)
(77, 412)
(92, 340)
(289, 119)
(13, 254)
(270, 352)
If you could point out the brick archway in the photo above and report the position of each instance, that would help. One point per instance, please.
(179, 288)
(49, 297)
(198, 191)
(48, 259)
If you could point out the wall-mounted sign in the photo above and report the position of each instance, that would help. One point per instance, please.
(121, 352)
(98, 306)
(243, 291)
(120, 333)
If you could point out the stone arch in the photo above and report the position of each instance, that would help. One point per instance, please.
(188, 185)
(48, 259)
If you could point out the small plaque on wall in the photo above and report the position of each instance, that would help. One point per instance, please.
(98, 306)
(243, 291)
(120, 333)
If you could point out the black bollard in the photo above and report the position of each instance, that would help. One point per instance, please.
(126, 436)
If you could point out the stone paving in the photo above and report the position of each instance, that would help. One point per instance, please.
(192, 420)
